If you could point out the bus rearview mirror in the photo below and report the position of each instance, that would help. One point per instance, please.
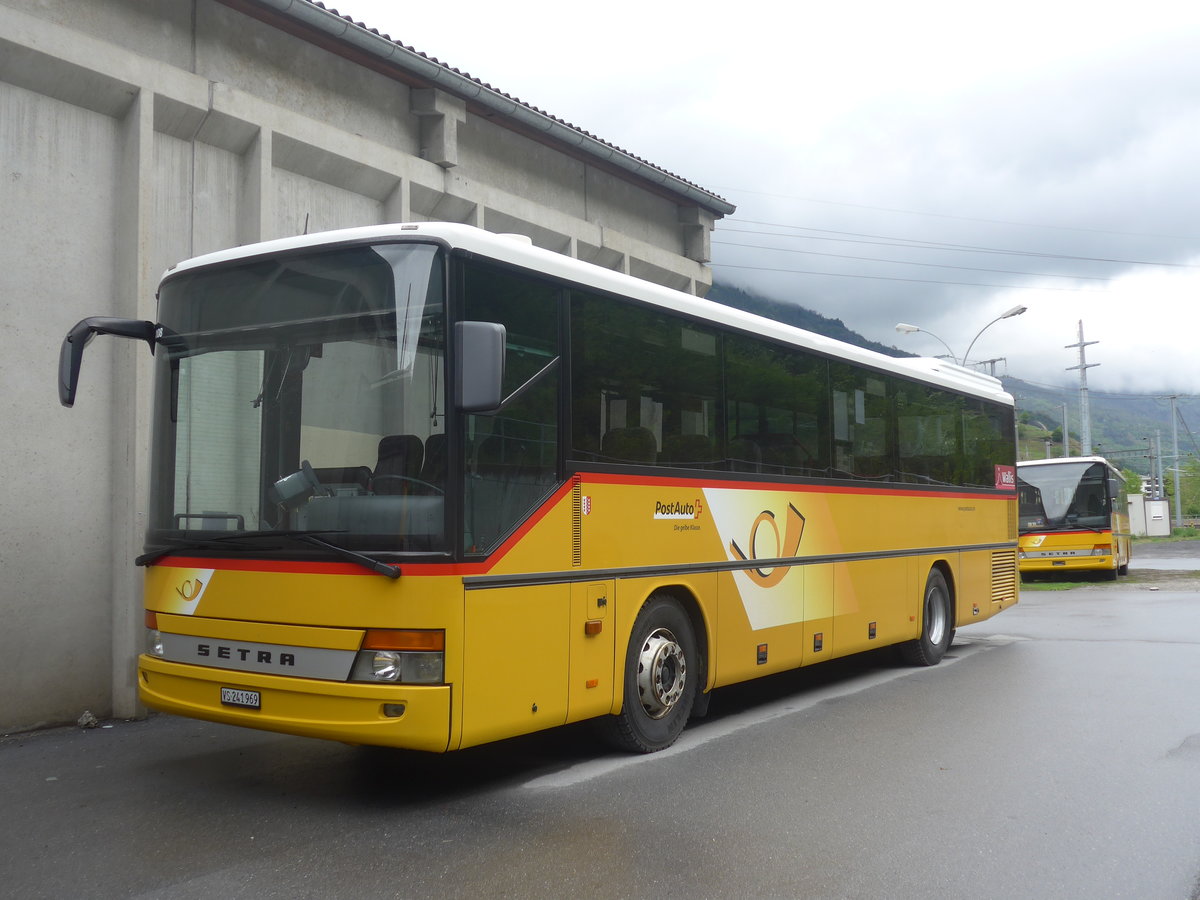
(479, 349)
(70, 356)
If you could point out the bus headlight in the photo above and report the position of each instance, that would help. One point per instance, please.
(154, 643)
(393, 656)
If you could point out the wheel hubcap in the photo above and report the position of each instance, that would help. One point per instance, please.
(661, 674)
(935, 613)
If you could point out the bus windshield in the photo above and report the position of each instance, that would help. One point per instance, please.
(1066, 495)
(303, 393)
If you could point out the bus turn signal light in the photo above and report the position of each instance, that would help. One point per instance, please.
(401, 656)
(404, 639)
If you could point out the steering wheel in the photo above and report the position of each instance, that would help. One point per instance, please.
(406, 479)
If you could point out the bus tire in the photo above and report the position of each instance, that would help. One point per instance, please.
(661, 673)
(937, 624)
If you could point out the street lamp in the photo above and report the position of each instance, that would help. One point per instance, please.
(905, 328)
(1015, 311)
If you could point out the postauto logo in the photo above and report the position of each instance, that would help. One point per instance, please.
(678, 509)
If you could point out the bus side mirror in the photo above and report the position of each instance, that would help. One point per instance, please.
(479, 349)
(70, 357)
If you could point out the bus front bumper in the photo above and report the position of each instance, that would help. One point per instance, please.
(414, 717)
(1079, 563)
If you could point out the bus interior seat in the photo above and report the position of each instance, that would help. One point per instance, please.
(635, 444)
(433, 467)
(688, 451)
(400, 458)
(745, 455)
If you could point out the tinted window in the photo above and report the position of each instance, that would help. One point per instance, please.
(776, 409)
(863, 423)
(645, 386)
(928, 439)
(512, 456)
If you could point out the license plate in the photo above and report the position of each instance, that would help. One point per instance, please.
(238, 697)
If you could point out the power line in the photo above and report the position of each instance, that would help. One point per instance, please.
(853, 237)
(958, 218)
(1010, 287)
(906, 262)
(1106, 395)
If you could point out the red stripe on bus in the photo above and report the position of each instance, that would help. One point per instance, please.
(484, 566)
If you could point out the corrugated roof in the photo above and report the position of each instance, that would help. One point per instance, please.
(470, 88)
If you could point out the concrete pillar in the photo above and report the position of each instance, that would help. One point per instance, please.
(133, 373)
(397, 206)
(697, 225)
(440, 115)
(256, 210)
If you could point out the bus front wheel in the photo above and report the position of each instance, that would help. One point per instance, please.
(937, 624)
(661, 670)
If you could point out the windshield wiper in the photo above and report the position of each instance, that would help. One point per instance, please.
(361, 559)
(251, 541)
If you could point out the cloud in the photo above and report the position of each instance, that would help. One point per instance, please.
(1058, 139)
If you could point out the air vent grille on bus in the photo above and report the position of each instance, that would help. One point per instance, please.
(1004, 576)
(1012, 520)
(577, 522)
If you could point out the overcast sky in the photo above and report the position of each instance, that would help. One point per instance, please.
(1055, 144)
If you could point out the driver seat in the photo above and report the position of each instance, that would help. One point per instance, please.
(399, 455)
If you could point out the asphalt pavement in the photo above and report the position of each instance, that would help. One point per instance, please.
(1055, 753)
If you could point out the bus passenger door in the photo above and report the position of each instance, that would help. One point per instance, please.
(514, 661)
(593, 628)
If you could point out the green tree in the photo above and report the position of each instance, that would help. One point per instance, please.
(1189, 483)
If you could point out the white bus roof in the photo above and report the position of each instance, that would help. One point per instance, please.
(516, 250)
(1058, 460)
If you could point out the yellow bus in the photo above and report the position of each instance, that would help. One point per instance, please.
(1073, 517)
(425, 486)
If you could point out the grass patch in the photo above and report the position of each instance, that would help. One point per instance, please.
(1177, 534)
(1051, 585)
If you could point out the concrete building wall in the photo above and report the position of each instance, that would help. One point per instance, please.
(136, 133)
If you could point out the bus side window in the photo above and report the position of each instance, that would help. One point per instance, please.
(776, 409)
(646, 386)
(516, 450)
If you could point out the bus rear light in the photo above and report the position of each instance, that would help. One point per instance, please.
(151, 619)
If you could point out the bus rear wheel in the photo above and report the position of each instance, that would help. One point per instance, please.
(660, 679)
(937, 624)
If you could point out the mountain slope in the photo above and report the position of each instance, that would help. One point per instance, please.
(1122, 425)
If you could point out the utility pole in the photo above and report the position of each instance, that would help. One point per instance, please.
(991, 363)
(1085, 418)
(1066, 433)
(1175, 460)
(1160, 490)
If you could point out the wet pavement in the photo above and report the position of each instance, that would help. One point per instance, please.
(1055, 753)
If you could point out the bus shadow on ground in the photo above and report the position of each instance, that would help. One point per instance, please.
(385, 776)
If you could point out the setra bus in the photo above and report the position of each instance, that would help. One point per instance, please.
(1073, 516)
(425, 486)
